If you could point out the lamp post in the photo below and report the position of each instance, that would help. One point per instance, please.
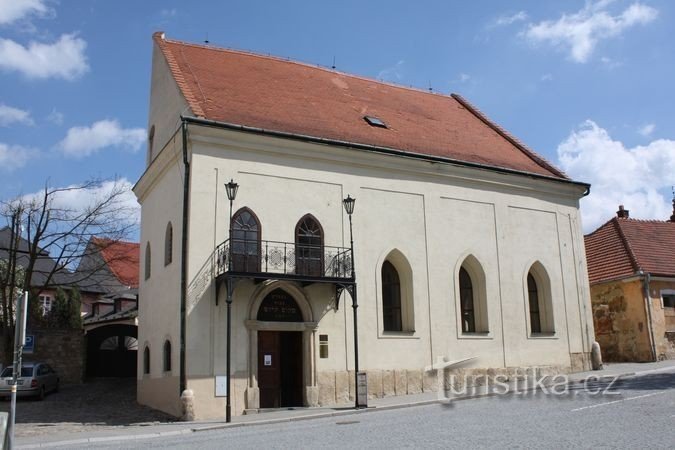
(231, 188)
(349, 208)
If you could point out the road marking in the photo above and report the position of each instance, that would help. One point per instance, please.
(618, 401)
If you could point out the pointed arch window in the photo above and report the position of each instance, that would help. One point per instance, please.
(309, 247)
(245, 241)
(467, 302)
(148, 261)
(167, 356)
(168, 244)
(539, 301)
(391, 298)
(146, 360)
(533, 296)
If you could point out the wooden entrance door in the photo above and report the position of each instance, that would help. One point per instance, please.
(280, 368)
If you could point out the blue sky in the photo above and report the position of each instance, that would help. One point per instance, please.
(589, 85)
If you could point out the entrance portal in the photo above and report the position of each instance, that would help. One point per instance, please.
(280, 353)
(280, 368)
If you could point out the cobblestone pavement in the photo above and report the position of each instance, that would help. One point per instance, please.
(97, 405)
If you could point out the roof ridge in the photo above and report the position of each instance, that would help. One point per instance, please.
(161, 41)
(509, 137)
(633, 219)
(626, 243)
(308, 65)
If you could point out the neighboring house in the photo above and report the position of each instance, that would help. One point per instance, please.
(47, 274)
(631, 269)
(110, 269)
(466, 243)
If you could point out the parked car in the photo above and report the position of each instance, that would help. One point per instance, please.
(37, 379)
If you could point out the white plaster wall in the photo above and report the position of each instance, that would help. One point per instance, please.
(435, 219)
(166, 104)
(159, 295)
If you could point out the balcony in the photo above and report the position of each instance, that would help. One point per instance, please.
(283, 260)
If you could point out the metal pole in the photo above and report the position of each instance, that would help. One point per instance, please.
(228, 404)
(354, 307)
(19, 337)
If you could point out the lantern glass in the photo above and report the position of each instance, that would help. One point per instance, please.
(231, 188)
(349, 204)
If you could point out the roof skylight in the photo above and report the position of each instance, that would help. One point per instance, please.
(375, 121)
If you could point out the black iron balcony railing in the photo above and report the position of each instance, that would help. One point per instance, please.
(292, 260)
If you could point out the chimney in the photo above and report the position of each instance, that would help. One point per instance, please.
(622, 213)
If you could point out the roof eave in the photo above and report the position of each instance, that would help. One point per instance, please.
(379, 149)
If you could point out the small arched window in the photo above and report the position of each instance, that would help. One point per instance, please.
(309, 247)
(533, 296)
(168, 244)
(245, 241)
(391, 298)
(167, 356)
(148, 261)
(472, 295)
(146, 360)
(151, 143)
(539, 301)
(467, 302)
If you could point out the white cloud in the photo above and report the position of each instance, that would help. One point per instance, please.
(14, 10)
(618, 175)
(55, 117)
(15, 156)
(510, 19)
(580, 32)
(10, 115)
(64, 58)
(392, 73)
(77, 198)
(547, 77)
(84, 141)
(647, 129)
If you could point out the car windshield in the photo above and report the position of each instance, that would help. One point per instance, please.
(9, 372)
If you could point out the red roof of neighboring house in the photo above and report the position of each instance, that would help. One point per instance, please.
(623, 246)
(275, 94)
(122, 259)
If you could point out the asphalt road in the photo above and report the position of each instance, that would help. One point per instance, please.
(635, 413)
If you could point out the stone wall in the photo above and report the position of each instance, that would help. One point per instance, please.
(620, 321)
(337, 387)
(64, 350)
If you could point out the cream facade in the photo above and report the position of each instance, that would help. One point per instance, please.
(428, 219)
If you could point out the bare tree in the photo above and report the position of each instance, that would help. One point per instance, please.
(48, 234)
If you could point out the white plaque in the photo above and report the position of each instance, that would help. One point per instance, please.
(221, 385)
(268, 360)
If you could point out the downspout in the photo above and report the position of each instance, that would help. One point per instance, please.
(183, 260)
(650, 325)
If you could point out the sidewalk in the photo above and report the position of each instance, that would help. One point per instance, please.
(155, 430)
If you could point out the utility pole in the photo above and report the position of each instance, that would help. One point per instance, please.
(19, 341)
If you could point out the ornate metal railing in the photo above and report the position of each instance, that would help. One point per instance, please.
(282, 258)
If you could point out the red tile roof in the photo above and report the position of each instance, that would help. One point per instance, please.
(122, 259)
(623, 246)
(279, 95)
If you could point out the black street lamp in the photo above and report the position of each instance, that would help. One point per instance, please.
(231, 188)
(349, 208)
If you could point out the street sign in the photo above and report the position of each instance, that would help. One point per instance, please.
(29, 346)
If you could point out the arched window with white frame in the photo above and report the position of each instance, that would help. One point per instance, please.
(397, 294)
(539, 301)
(472, 297)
